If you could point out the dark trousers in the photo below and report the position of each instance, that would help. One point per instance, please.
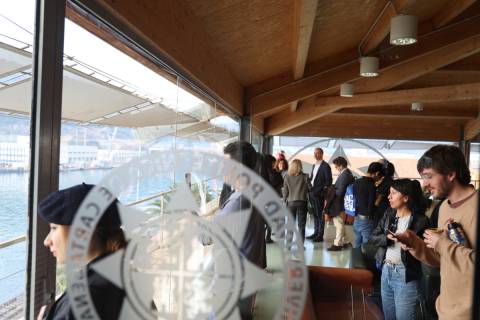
(299, 209)
(318, 218)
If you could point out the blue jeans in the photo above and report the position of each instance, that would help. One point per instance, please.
(399, 299)
(363, 229)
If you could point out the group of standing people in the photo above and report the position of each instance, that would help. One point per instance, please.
(390, 215)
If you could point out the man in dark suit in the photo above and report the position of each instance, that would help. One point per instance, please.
(344, 178)
(320, 178)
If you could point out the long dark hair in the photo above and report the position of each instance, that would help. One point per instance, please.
(109, 239)
(417, 203)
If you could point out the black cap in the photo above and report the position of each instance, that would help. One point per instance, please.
(60, 207)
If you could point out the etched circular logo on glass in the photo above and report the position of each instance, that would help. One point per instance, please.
(179, 265)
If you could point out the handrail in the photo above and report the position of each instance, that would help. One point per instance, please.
(162, 194)
(150, 198)
(13, 241)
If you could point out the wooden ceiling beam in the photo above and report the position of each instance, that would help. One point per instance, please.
(315, 84)
(339, 126)
(171, 29)
(315, 108)
(470, 91)
(302, 89)
(403, 114)
(286, 120)
(381, 28)
(304, 14)
(472, 129)
(442, 77)
(304, 19)
(450, 11)
(424, 64)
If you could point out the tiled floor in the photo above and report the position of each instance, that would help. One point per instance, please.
(269, 299)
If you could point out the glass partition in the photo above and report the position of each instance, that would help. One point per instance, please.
(113, 115)
(358, 152)
(16, 38)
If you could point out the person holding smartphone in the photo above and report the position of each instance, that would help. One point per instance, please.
(400, 270)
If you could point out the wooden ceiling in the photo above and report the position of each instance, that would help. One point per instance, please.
(283, 61)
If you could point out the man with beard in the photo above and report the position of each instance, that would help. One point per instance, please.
(446, 175)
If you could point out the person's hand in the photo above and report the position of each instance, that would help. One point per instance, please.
(406, 239)
(391, 237)
(41, 313)
(431, 238)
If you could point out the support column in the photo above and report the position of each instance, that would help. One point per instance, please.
(267, 145)
(245, 129)
(464, 145)
(45, 147)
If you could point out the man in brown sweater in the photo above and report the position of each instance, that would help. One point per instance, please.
(446, 175)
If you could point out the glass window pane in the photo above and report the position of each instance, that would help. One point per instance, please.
(16, 25)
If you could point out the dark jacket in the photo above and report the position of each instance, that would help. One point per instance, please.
(343, 180)
(226, 192)
(275, 179)
(418, 223)
(253, 245)
(106, 297)
(364, 191)
(322, 180)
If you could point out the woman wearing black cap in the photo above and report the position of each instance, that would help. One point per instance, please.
(59, 209)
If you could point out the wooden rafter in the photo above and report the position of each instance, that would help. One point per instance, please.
(393, 57)
(451, 10)
(303, 20)
(461, 92)
(443, 77)
(315, 108)
(472, 129)
(401, 112)
(381, 28)
(365, 126)
(171, 29)
(431, 61)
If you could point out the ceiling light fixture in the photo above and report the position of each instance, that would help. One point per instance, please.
(369, 66)
(417, 106)
(346, 90)
(403, 30)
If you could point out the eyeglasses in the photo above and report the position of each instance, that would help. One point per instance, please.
(394, 225)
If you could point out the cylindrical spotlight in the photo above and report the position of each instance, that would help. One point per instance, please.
(403, 30)
(346, 90)
(369, 66)
(417, 106)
